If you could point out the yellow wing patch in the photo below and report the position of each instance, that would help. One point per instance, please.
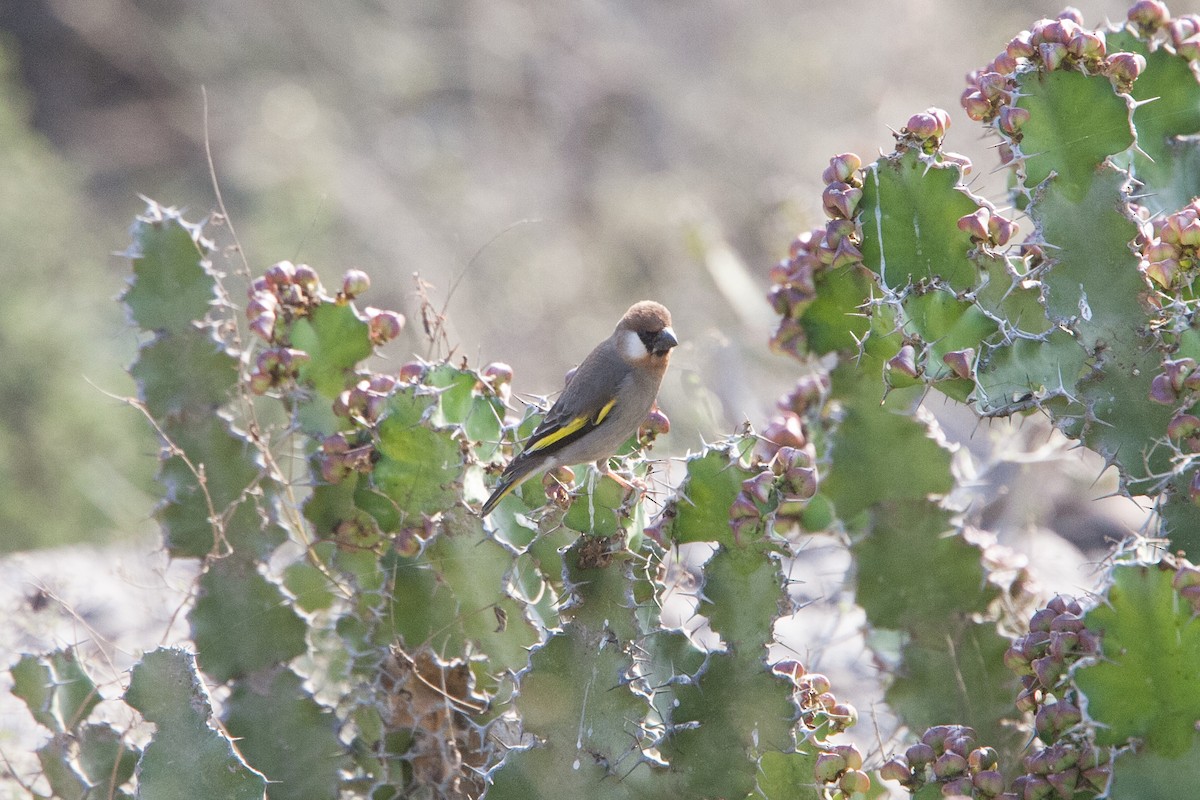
(563, 431)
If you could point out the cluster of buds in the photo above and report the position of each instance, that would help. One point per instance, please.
(337, 458)
(1151, 19)
(783, 488)
(986, 227)
(285, 291)
(841, 766)
(1062, 770)
(786, 429)
(383, 325)
(1057, 638)
(495, 378)
(926, 130)
(820, 711)
(1050, 44)
(947, 755)
(557, 484)
(365, 402)
(1170, 247)
(793, 280)
(275, 367)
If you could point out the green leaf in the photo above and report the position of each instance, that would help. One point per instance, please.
(336, 338)
(172, 284)
(789, 776)
(909, 210)
(241, 622)
(188, 757)
(56, 688)
(106, 758)
(306, 759)
(191, 372)
(418, 466)
(706, 495)
(1075, 122)
(1147, 685)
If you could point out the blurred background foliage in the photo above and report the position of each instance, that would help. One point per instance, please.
(539, 165)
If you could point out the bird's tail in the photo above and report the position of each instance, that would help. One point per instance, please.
(518, 470)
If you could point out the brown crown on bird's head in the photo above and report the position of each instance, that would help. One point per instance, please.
(651, 321)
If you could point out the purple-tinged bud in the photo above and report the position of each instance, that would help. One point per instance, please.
(262, 303)
(923, 126)
(1189, 233)
(919, 755)
(789, 668)
(412, 372)
(843, 716)
(976, 105)
(842, 168)
(261, 382)
(841, 200)
(341, 404)
(744, 508)
(949, 765)
(895, 769)
(1089, 641)
(837, 230)
(1183, 426)
(280, 274)
(259, 285)
(1036, 788)
(1160, 250)
(383, 326)
(654, 425)
(1067, 621)
(497, 373)
(989, 783)
(1027, 701)
(1006, 153)
(1164, 272)
(905, 361)
(982, 758)
(335, 467)
(759, 488)
(943, 119)
(850, 753)
(961, 362)
(1048, 670)
(847, 254)
(354, 283)
(1052, 54)
(1087, 45)
(307, 278)
(1054, 718)
(1189, 48)
(1042, 619)
(1016, 661)
(1095, 779)
(1061, 756)
(958, 788)
(1062, 644)
(1182, 28)
(817, 683)
(935, 737)
(1072, 14)
(1019, 46)
(1001, 230)
(263, 326)
(1037, 31)
(1125, 67)
(828, 767)
(1186, 576)
(993, 86)
(854, 782)
(372, 407)
(976, 224)
(382, 384)
(1004, 64)
(1011, 119)
(961, 740)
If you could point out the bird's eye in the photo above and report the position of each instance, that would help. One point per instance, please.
(648, 338)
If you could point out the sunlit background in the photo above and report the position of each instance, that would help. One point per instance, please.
(539, 166)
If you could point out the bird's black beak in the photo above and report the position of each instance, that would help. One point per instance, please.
(664, 340)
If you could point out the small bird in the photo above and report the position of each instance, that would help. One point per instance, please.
(603, 403)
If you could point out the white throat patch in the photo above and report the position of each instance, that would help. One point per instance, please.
(631, 346)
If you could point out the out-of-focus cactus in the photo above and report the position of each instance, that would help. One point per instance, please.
(916, 283)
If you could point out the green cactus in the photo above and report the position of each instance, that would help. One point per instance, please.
(370, 635)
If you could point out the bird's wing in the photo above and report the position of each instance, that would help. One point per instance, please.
(581, 408)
